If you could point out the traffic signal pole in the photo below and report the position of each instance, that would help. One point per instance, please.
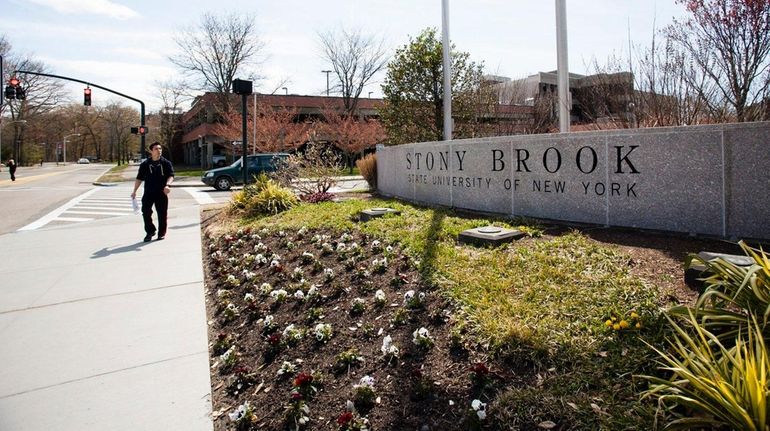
(141, 104)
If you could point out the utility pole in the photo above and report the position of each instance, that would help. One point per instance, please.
(327, 72)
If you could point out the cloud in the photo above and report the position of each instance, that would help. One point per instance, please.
(92, 7)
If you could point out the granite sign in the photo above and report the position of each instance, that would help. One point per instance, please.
(708, 180)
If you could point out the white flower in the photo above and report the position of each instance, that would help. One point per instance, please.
(289, 329)
(274, 263)
(268, 320)
(223, 293)
(279, 294)
(265, 288)
(239, 413)
(313, 291)
(408, 296)
(248, 274)
(379, 296)
(275, 257)
(388, 348)
(367, 381)
(328, 273)
(349, 406)
(322, 331)
(249, 297)
(225, 356)
(300, 295)
(231, 280)
(345, 237)
(327, 247)
(281, 233)
(261, 259)
(480, 409)
(287, 368)
(302, 231)
(421, 337)
(307, 255)
(260, 247)
(341, 247)
(389, 249)
(315, 239)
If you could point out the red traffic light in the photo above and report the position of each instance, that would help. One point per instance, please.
(87, 96)
(87, 91)
(13, 82)
(142, 130)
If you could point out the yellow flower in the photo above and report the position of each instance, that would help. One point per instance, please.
(634, 315)
(608, 322)
(616, 327)
(623, 324)
(638, 325)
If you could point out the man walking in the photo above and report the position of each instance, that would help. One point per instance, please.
(12, 169)
(157, 174)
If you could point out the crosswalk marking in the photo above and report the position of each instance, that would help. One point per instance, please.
(75, 219)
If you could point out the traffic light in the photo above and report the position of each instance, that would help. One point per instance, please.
(87, 96)
(13, 90)
(141, 130)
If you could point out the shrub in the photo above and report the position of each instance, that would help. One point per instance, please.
(368, 168)
(311, 172)
(314, 198)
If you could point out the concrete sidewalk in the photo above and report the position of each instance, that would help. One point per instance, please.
(101, 331)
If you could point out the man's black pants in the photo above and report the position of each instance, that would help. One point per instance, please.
(160, 200)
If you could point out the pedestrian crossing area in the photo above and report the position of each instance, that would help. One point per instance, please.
(95, 204)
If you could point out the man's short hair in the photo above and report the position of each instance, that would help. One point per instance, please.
(154, 144)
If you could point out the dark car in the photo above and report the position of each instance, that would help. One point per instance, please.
(226, 177)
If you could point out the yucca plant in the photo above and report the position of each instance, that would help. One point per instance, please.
(733, 293)
(725, 386)
(272, 199)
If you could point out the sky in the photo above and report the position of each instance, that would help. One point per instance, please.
(125, 44)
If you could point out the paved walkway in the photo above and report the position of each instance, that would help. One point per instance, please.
(100, 331)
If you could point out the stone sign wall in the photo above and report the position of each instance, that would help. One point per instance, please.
(711, 180)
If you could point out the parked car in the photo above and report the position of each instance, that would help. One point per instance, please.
(226, 177)
(218, 160)
(83, 161)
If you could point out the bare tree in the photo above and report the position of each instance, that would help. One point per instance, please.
(42, 93)
(220, 48)
(729, 40)
(355, 59)
(172, 95)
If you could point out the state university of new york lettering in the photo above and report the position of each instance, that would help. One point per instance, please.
(518, 169)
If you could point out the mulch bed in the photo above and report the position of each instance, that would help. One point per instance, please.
(420, 389)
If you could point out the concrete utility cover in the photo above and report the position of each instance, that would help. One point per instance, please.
(696, 270)
(371, 213)
(489, 235)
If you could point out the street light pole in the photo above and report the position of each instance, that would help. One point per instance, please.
(285, 90)
(65, 146)
(327, 72)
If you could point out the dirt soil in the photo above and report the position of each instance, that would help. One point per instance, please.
(423, 388)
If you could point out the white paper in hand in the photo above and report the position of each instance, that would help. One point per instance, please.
(135, 205)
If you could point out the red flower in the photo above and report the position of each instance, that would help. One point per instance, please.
(274, 338)
(296, 396)
(303, 379)
(345, 418)
(480, 369)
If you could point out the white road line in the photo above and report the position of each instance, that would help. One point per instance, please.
(109, 208)
(199, 196)
(98, 213)
(42, 221)
(72, 219)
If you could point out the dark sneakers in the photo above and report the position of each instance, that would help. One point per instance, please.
(161, 237)
(148, 237)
